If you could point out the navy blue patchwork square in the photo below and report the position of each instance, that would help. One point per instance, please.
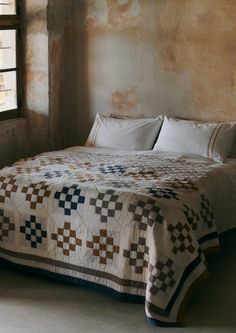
(56, 174)
(112, 169)
(33, 231)
(69, 198)
(165, 193)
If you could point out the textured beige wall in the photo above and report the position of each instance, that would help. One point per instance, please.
(149, 57)
(128, 57)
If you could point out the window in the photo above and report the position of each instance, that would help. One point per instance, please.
(9, 59)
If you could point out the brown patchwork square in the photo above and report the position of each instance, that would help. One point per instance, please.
(180, 235)
(5, 225)
(162, 276)
(138, 255)
(206, 212)
(7, 187)
(103, 246)
(106, 205)
(66, 239)
(36, 193)
(146, 213)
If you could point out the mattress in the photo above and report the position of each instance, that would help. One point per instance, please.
(136, 223)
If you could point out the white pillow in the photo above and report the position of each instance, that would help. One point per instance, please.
(213, 140)
(130, 134)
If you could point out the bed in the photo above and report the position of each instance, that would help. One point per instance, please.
(137, 223)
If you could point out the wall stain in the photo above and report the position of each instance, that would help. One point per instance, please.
(35, 75)
(111, 13)
(124, 101)
(116, 11)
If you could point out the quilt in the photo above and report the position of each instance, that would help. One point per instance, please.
(136, 223)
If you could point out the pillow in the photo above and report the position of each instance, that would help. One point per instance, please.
(213, 140)
(130, 134)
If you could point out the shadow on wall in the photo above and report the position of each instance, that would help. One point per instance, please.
(76, 83)
(23, 137)
(37, 134)
(11, 139)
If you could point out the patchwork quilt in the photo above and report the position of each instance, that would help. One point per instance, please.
(136, 223)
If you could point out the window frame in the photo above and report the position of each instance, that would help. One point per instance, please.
(8, 22)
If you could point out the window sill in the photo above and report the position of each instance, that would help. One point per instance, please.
(11, 114)
(11, 123)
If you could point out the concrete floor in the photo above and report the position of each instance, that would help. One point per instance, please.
(36, 305)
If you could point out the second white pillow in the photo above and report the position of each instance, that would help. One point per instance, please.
(213, 140)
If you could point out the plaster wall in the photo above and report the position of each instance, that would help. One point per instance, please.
(141, 58)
